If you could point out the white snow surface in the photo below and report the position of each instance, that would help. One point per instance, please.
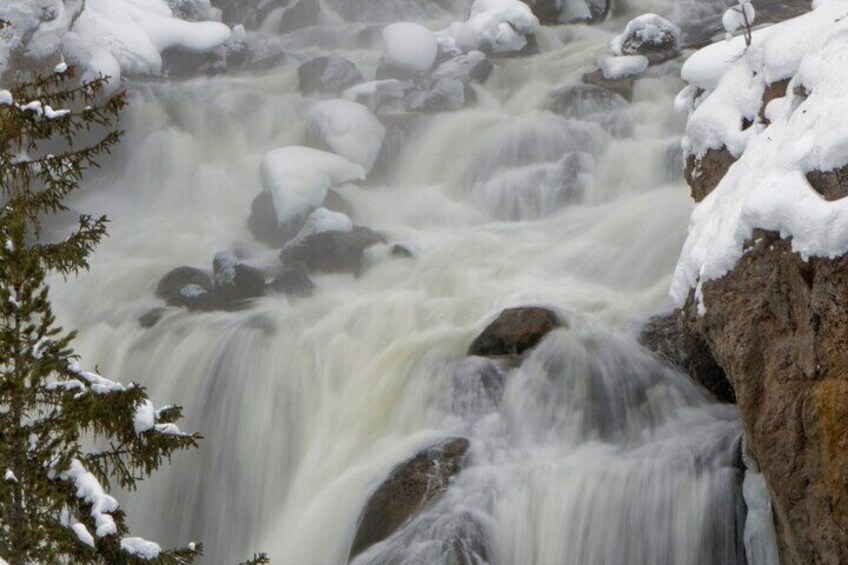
(82, 533)
(108, 37)
(349, 129)
(622, 66)
(298, 178)
(499, 24)
(145, 417)
(410, 46)
(141, 548)
(767, 187)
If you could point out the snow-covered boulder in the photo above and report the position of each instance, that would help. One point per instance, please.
(409, 46)
(327, 74)
(493, 26)
(299, 178)
(348, 129)
(320, 221)
(332, 251)
(650, 35)
(446, 95)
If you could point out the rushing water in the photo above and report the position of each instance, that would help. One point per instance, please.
(590, 453)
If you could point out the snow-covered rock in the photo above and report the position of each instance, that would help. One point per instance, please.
(806, 131)
(650, 35)
(409, 46)
(468, 67)
(298, 179)
(377, 94)
(235, 281)
(495, 26)
(348, 129)
(320, 221)
(327, 74)
(446, 95)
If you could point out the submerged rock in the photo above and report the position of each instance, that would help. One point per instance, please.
(621, 86)
(410, 488)
(674, 342)
(515, 331)
(328, 74)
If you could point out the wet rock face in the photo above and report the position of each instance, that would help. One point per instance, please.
(515, 331)
(410, 488)
(704, 174)
(332, 251)
(186, 286)
(674, 341)
(778, 327)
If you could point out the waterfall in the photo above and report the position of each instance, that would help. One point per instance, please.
(590, 452)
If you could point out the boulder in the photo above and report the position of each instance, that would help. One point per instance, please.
(170, 286)
(235, 281)
(330, 74)
(298, 14)
(410, 488)
(293, 281)
(651, 36)
(446, 95)
(467, 68)
(593, 104)
(555, 12)
(832, 185)
(332, 251)
(622, 86)
(674, 342)
(263, 224)
(703, 174)
(515, 331)
(151, 317)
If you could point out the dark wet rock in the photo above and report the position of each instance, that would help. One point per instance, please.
(593, 104)
(299, 14)
(195, 297)
(235, 281)
(401, 251)
(553, 12)
(152, 317)
(401, 129)
(262, 221)
(335, 202)
(332, 251)
(674, 342)
(411, 487)
(293, 281)
(446, 95)
(622, 86)
(515, 331)
(833, 185)
(704, 174)
(327, 74)
(171, 284)
(467, 68)
(381, 95)
(252, 14)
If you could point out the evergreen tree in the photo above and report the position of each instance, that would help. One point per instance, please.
(67, 436)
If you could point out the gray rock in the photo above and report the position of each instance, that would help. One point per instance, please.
(170, 286)
(328, 74)
(235, 281)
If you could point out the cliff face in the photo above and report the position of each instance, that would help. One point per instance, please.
(763, 278)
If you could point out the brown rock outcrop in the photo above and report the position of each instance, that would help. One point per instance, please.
(704, 174)
(515, 331)
(778, 327)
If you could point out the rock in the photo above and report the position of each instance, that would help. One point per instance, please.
(328, 74)
(515, 331)
(593, 104)
(833, 185)
(410, 488)
(704, 174)
(236, 281)
(263, 224)
(622, 86)
(446, 95)
(151, 317)
(380, 95)
(555, 12)
(298, 14)
(332, 251)
(401, 251)
(195, 297)
(674, 342)
(773, 91)
(467, 68)
(171, 284)
(293, 281)
(651, 36)
(777, 324)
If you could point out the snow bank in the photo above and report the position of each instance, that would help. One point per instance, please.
(498, 25)
(410, 46)
(349, 129)
(767, 187)
(298, 179)
(109, 37)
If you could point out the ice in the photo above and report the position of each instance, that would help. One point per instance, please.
(623, 66)
(298, 178)
(349, 129)
(807, 131)
(410, 46)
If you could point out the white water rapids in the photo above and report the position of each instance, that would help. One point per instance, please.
(594, 454)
